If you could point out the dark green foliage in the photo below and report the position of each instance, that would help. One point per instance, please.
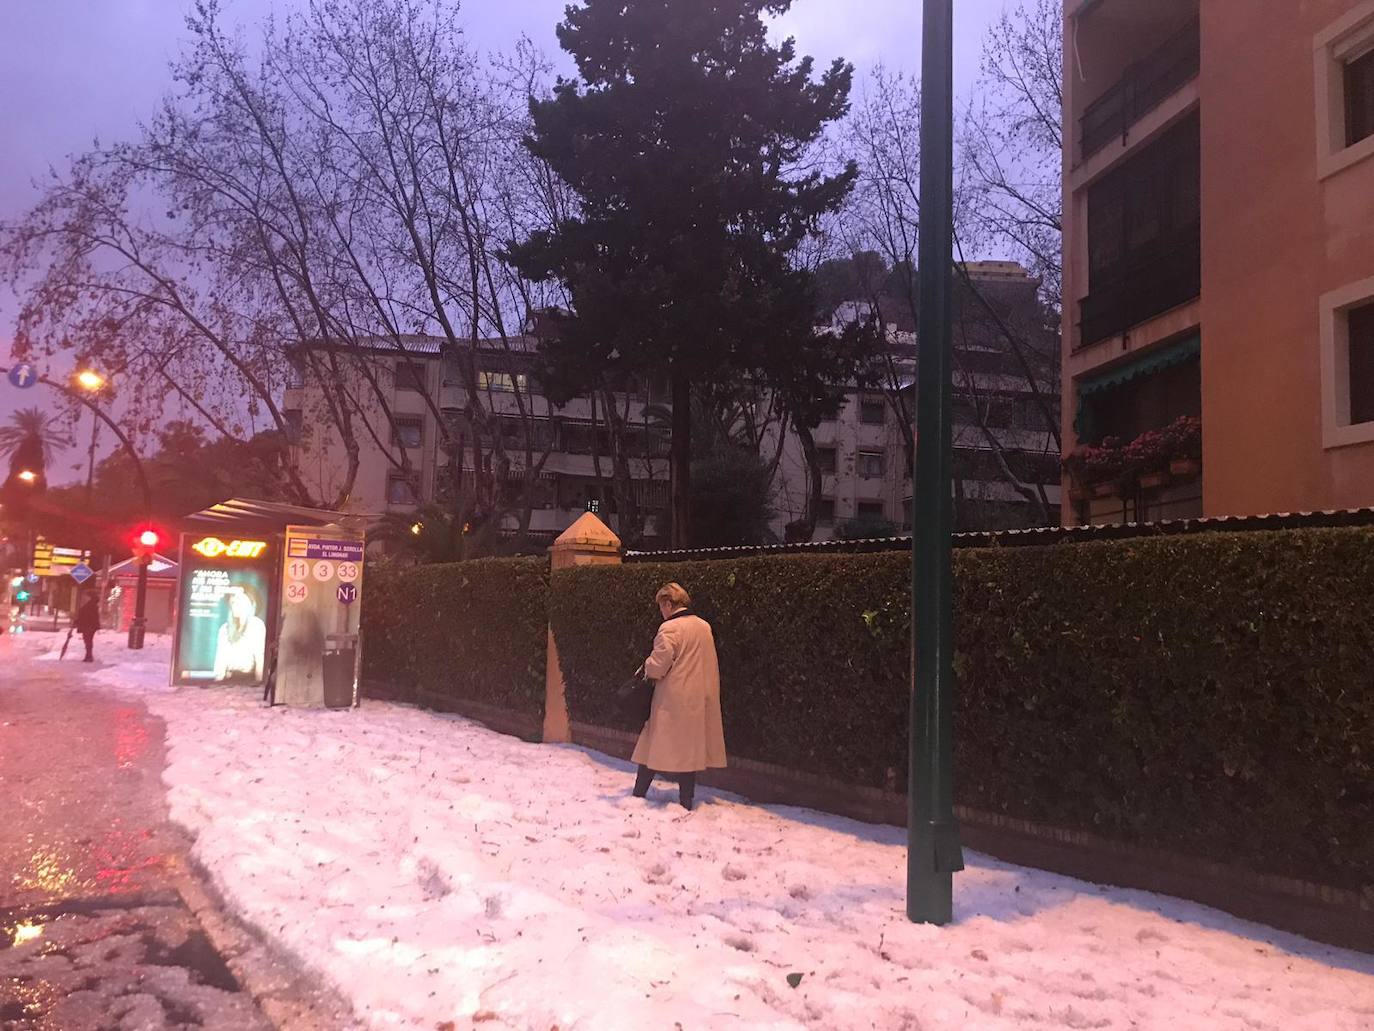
(1209, 694)
(467, 630)
(812, 652)
(731, 499)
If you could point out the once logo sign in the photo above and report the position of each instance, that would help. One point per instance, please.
(213, 547)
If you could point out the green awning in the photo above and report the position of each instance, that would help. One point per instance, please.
(1155, 360)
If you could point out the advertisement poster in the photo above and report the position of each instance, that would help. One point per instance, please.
(224, 608)
(321, 590)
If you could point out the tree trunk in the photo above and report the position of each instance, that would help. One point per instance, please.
(682, 459)
(813, 480)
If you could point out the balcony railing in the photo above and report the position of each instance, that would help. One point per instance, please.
(1145, 85)
(1143, 285)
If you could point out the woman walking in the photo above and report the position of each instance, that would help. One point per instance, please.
(684, 735)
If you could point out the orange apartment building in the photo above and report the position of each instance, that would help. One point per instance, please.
(1219, 257)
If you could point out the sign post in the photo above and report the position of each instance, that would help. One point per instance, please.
(319, 658)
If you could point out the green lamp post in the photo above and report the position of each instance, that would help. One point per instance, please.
(933, 849)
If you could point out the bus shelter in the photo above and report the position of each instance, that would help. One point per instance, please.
(270, 596)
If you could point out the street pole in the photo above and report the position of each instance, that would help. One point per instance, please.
(933, 849)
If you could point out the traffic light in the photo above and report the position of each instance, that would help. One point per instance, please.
(22, 595)
(146, 540)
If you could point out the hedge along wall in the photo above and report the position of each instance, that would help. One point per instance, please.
(473, 631)
(1211, 695)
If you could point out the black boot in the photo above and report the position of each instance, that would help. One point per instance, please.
(687, 790)
(643, 779)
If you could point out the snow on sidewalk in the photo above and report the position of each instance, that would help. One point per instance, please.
(438, 872)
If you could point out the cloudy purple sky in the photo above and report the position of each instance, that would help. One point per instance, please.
(75, 70)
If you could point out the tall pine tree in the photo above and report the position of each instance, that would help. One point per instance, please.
(685, 136)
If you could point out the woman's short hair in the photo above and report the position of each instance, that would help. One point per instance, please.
(675, 594)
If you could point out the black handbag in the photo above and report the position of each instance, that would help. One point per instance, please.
(635, 698)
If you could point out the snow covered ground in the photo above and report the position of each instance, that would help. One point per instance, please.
(444, 876)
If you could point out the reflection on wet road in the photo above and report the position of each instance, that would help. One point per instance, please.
(93, 933)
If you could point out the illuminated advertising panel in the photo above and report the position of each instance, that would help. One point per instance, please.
(224, 610)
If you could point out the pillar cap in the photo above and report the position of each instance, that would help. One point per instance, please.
(588, 531)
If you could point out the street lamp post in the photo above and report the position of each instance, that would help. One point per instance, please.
(90, 384)
(933, 849)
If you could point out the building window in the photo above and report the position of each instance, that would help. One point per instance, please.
(295, 373)
(1359, 324)
(1144, 236)
(871, 412)
(502, 382)
(872, 464)
(826, 459)
(295, 424)
(407, 431)
(870, 510)
(1344, 56)
(452, 373)
(410, 376)
(1359, 97)
(1347, 364)
(825, 513)
(402, 490)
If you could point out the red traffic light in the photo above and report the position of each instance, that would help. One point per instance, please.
(145, 542)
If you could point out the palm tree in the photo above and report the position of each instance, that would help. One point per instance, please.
(30, 440)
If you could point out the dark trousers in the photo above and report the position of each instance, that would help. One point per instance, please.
(686, 785)
(88, 638)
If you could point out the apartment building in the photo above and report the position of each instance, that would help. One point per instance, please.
(1218, 324)
(399, 390)
(1006, 461)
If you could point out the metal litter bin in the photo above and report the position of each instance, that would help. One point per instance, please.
(340, 662)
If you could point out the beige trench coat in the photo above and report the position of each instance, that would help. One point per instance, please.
(684, 732)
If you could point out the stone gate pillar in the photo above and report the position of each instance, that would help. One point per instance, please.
(587, 542)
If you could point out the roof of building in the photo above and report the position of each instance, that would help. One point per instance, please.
(423, 344)
(1031, 537)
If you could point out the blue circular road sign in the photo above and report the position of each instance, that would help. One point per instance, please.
(23, 375)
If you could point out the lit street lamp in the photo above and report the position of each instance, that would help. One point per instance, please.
(28, 476)
(89, 380)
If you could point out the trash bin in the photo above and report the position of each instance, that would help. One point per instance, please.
(340, 661)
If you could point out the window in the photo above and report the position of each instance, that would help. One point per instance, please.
(872, 464)
(1344, 58)
(826, 460)
(503, 382)
(1360, 340)
(402, 490)
(295, 373)
(825, 513)
(1359, 97)
(407, 431)
(295, 424)
(871, 412)
(1347, 364)
(452, 373)
(870, 510)
(410, 376)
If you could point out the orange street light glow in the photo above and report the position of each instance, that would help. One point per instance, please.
(28, 476)
(89, 379)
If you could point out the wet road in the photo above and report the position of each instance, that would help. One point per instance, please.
(95, 931)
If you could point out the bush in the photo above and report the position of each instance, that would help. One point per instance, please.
(1208, 694)
(466, 630)
(778, 622)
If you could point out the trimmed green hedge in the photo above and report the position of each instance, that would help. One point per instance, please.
(467, 630)
(1210, 694)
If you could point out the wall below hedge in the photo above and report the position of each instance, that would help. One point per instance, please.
(467, 631)
(1211, 695)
